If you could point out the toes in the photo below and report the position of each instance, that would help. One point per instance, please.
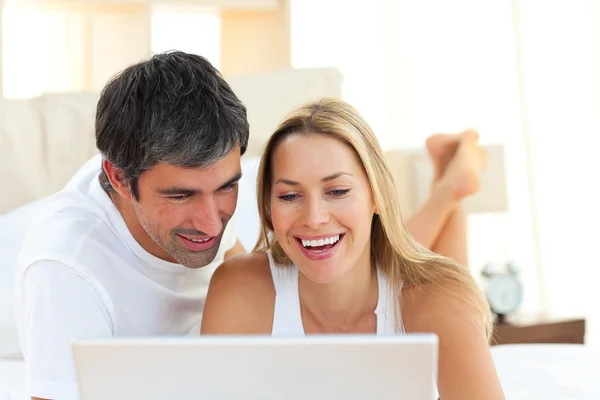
(470, 135)
(484, 157)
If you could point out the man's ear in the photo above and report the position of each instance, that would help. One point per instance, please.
(117, 179)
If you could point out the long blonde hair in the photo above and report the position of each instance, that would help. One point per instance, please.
(404, 262)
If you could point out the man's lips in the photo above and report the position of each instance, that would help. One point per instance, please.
(198, 244)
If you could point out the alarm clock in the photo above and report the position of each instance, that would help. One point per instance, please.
(504, 290)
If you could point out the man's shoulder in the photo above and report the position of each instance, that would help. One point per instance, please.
(67, 224)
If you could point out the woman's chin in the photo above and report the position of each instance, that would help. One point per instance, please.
(321, 273)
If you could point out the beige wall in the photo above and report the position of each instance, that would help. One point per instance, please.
(102, 39)
(107, 35)
(116, 39)
(254, 41)
(1, 39)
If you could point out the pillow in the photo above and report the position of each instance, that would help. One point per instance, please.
(247, 221)
(13, 227)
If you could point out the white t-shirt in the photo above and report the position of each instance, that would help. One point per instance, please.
(81, 274)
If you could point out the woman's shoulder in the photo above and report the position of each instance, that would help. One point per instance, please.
(253, 261)
(251, 269)
(438, 309)
(240, 296)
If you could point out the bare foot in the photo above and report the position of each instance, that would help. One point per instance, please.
(465, 166)
(441, 149)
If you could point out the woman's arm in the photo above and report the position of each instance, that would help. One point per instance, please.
(240, 297)
(465, 369)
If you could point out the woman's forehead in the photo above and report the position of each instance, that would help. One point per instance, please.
(314, 156)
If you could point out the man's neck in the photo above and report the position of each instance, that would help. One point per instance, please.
(138, 232)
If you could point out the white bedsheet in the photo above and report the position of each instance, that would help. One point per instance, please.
(548, 371)
(527, 372)
(12, 379)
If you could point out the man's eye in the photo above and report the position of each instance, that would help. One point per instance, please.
(180, 197)
(230, 187)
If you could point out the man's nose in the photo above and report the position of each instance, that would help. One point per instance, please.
(206, 217)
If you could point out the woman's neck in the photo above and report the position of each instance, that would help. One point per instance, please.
(340, 306)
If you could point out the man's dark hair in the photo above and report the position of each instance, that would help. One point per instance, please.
(174, 108)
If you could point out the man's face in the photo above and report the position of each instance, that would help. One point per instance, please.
(184, 211)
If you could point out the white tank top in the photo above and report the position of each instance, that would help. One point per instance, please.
(287, 318)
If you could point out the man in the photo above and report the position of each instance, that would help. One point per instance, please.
(127, 248)
(121, 250)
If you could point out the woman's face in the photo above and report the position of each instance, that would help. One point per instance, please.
(321, 206)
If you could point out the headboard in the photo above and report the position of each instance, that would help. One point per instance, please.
(44, 140)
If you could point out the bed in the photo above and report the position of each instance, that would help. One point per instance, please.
(12, 376)
(548, 371)
(44, 140)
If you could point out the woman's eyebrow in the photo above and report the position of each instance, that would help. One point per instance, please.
(326, 179)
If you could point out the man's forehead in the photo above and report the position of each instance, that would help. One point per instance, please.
(198, 179)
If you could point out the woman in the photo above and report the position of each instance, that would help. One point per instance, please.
(334, 256)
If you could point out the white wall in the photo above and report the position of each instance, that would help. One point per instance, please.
(418, 68)
(561, 69)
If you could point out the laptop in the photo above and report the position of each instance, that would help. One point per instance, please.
(349, 367)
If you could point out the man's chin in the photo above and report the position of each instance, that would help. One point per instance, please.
(195, 259)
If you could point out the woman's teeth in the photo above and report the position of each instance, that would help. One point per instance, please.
(320, 242)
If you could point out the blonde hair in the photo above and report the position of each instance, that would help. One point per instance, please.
(400, 257)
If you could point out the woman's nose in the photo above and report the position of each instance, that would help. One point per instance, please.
(315, 213)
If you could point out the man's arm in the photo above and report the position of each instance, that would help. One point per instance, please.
(55, 305)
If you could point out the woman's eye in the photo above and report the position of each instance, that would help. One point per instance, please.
(339, 193)
(287, 197)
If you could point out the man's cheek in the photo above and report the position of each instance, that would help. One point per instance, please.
(231, 202)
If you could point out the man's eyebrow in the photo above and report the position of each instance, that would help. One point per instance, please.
(230, 182)
(326, 179)
(183, 191)
(175, 190)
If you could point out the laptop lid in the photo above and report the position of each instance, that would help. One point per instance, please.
(349, 367)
